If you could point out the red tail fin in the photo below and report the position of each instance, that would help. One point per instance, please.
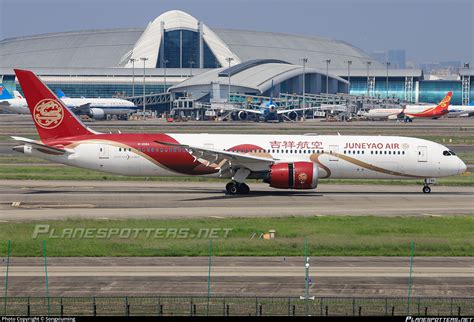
(442, 107)
(51, 117)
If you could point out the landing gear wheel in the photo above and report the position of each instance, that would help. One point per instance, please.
(426, 189)
(244, 189)
(232, 188)
(235, 188)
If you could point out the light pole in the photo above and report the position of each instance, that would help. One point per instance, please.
(305, 60)
(388, 65)
(349, 63)
(191, 68)
(229, 59)
(144, 59)
(368, 66)
(164, 63)
(133, 76)
(328, 61)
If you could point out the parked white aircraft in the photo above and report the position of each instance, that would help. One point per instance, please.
(96, 108)
(461, 110)
(12, 104)
(283, 161)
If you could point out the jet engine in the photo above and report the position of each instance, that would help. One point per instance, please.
(242, 115)
(96, 113)
(295, 175)
(293, 116)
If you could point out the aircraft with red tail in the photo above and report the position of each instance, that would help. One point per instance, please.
(283, 161)
(412, 111)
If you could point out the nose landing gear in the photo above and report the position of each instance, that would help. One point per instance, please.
(428, 182)
(236, 188)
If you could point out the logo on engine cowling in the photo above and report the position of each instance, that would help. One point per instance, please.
(48, 113)
(302, 177)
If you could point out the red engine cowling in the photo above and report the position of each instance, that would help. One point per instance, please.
(295, 175)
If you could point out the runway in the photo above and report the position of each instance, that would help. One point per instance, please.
(330, 276)
(42, 200)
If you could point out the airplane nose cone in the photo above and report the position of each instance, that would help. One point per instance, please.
(462, 167)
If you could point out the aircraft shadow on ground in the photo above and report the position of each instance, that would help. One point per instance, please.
(253, 193)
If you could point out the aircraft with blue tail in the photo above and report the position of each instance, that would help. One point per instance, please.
(269, 111)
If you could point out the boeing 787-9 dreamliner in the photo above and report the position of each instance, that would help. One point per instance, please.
(282, 161)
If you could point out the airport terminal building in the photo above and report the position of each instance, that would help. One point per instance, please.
(179, 54)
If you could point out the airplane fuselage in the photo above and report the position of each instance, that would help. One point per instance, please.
(351, 157)
(20, 106)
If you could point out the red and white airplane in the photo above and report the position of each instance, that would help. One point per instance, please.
(283, 161)
(412, 111)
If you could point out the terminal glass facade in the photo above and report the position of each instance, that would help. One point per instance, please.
(396, 87)
(429, 91)
(181, 49)
(435, 91)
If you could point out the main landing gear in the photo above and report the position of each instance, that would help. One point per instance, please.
(426, 186)
(236, 188)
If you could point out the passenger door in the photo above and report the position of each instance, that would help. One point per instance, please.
(422, 154)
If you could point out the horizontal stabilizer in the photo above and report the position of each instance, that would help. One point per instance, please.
(42, 147)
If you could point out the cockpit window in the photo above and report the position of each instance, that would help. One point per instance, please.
(446, 153)
(452, 152)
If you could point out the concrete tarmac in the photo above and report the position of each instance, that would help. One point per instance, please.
(41, 200)
(277, 276)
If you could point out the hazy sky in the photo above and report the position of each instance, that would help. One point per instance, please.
(430, 30)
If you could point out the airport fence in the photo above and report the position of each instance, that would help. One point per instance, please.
(234, 306)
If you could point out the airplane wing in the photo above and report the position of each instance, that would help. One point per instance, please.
(225, 159)
(42, 147)
(247, 110)
(297, 110)
(82, 109)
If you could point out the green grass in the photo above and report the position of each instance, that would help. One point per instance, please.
(467, 157)
(59, 172)
(327, 236)
(17, 158)
(459, 138)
